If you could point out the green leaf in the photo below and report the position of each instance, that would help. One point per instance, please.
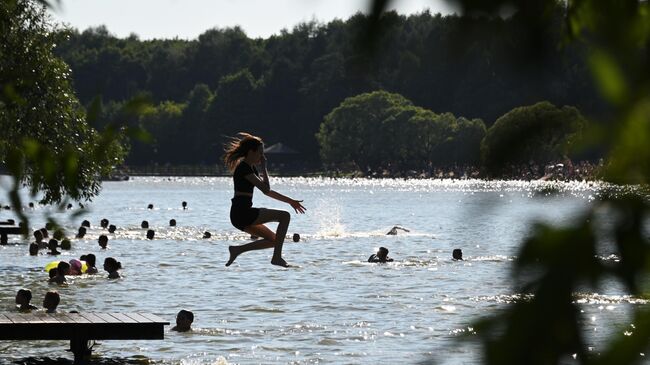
(609, 77)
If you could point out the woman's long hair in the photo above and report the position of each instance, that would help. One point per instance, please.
(238, 147)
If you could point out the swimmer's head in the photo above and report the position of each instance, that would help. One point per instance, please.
(24, 296)
(150, 234)
(85, 223)
(103, 241)
(111, 228)
(51, 300)
(44, 232)
(90, 259)
(65, 244)
(457, 254)
(63, 268)
(150, 206)
(382, 253)
(172, 222)
(33, 249)
(144, 224)
(207, 234)
(104, 223)
(53, 244)
(82, 232)
(184, 320)
(53, 272)
(110, 264)
(296, 237)
(75, 267)
(38, 235)
(184, 204)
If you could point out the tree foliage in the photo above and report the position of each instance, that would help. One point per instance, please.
(381, 129)
(292, 80)
(45, 140)
(540, 132)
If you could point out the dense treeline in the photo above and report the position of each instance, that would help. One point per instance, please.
(378, 130)
(283, 87)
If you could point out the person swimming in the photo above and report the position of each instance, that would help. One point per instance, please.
(62, 270)
(457, 254)
(38, 239)
(52, 245)
(241, 156)
(33, 249)
(111, 266)
(23, 297)
(51, 301)
(380, 257)
(103, 241)
(91, 261)
(393, 231)
(76, 267)
(184, 320)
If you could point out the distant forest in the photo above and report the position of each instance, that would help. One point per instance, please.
(282, 87)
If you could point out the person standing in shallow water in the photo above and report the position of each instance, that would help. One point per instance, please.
(241, 156)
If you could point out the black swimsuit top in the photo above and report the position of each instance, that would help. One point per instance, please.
(239, 177)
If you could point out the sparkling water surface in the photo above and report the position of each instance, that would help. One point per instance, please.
(332, 307)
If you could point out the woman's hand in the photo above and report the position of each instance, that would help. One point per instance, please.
(297, 206)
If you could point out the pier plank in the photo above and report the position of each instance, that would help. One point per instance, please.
(108, 318)
(138, 318)
(123, 318)
(153, 318)
(81, 327)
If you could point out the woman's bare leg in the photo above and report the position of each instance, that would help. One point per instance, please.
(269, 239)
(260, 230)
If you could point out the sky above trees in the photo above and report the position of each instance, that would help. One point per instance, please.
(186, 19)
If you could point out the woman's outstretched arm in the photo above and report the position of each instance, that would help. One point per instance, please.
(265, 188)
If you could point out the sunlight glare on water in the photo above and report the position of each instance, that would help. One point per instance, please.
(333, 307)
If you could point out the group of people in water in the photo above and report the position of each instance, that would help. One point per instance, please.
(244, 156)
(50, 302)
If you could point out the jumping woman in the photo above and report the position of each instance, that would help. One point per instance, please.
(242, 154)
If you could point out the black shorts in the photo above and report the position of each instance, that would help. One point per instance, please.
(242, 213)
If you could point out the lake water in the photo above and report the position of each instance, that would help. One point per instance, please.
(333, 307)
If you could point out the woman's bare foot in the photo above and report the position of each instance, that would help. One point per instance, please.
(279, 262)
(234, 252)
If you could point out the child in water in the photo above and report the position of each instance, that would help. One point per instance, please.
(75, 267)
(111, 266)
(51, 301)
(23, 297)
(91, 261)
(62, 270)
(52, 245)
(380, 257)
(184, 320)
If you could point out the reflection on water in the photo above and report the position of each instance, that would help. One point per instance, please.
(333, 306)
